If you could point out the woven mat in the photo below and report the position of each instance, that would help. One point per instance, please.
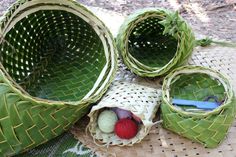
(161, 142)
(63, 146)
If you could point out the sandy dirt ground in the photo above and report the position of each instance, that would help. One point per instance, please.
(214, 18)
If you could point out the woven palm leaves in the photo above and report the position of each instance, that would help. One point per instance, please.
(196, 83)
(56, 59)
(140, 100)
(154, 41)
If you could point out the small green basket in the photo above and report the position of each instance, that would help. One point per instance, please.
(154, 41)
(56, 58)
(196, 83)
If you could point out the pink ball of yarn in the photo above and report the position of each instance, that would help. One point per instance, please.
(121, 114)
(126, 128)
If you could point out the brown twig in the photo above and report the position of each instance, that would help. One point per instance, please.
(222, 6)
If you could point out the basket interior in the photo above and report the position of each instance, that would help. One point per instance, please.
(196, 86)
(148, 45)
(53, 54)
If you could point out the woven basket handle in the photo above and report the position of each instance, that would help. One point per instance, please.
(208, 41)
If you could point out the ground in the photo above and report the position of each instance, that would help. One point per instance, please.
(214, 18)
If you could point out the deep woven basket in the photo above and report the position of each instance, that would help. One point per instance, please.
(196, 83)
(56, 59)
(154, 41)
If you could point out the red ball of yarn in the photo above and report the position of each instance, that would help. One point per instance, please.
(126, 128)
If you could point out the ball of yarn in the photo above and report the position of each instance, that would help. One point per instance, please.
(126, 128)
(123, 113)
(106, 121)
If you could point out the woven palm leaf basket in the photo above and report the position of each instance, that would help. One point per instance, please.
(142, 101)
(56, 59)
(154, 41)
(208, 127)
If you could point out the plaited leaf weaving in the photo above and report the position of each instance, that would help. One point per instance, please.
(57, 58)
(154, 41)
(140, 100)
(195, 83)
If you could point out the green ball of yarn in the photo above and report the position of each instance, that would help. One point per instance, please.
(107, 120)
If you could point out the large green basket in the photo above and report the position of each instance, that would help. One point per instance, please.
(196, 83)
(154, 41)
(56, 59)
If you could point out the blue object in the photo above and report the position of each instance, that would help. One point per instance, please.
(199, 104)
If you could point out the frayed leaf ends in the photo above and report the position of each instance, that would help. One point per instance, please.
(172, 23)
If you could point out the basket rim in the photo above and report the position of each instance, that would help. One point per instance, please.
(190, 69)
(94, 21)
(141, 17)
(122, 42)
